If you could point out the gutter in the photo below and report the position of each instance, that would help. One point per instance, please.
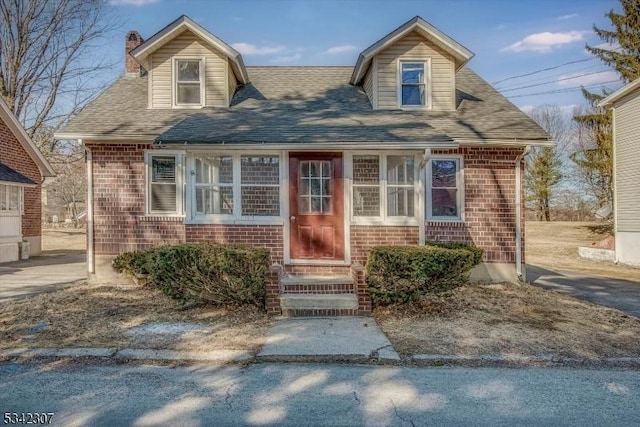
(519, 270)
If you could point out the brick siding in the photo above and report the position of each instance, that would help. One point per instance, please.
(13, 155)
(489, 192)
(121, 224)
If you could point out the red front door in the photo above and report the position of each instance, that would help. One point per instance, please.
(316, 201)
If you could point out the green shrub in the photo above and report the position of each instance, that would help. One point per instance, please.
(477, 252)
(212, 273)
(404, 274)
(132, 263)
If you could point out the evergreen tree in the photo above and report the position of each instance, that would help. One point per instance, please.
(595, 156)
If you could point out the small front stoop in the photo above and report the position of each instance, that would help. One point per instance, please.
(300, 290)
(318, 296)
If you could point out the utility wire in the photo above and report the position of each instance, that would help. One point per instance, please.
(571, 89)
(543, 70)
(554, 81)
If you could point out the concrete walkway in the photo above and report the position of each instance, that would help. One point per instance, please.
(623, 295)
(40, 274)
(335, 337)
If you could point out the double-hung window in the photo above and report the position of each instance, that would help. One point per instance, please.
(445, 187)
(214, 185)
(164, 178)
(413, 90)
(384, 187)
(234, 187)
(11, 199)
(188, 74)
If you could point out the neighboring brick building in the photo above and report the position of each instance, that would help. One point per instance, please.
(22, 170)
(318, 164)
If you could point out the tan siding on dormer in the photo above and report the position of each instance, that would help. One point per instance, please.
(187, 44)
(414, 46)
(367, 84)
(231, 80)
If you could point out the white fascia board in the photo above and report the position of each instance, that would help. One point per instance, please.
(177, 27)
(18, 184)
(462, 54)
(134, 139)
(318, 146)
(619, 94)
(27, 143)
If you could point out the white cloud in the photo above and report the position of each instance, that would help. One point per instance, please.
(285, 59)
(577, 79)
(250, 49)
(569, 16)
(335, 50)
(544, 42)
(132, 2)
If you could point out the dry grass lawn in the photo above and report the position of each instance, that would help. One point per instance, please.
(507, 319)
(63, 240)
(104, 315)
(555, 245)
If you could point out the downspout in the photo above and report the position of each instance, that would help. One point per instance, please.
(519, 272)
(423, 196)
(90, 252)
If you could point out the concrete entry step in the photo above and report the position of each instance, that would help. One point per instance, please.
(297, 304)
(316, 280)
(317, 285)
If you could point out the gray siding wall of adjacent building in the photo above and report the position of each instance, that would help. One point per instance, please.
(627, 167)
(627, 179)
(414, 46)
(187, 44)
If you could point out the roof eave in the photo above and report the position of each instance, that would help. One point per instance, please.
(461, 53)
(27, 143)
(514, 142)
(619, 94)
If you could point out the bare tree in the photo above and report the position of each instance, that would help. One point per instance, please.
(543, 165)
(49, 67)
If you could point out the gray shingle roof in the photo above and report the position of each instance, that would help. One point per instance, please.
(9, 175)
(303, 104)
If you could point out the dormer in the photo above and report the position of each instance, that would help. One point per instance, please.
(188, 67)
(412, 68)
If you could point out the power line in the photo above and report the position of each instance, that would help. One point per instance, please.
(556, 75)
(554, 81)
(571, 89)
(543, 70)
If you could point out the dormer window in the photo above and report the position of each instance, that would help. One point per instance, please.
(189, 85)
(413, 78)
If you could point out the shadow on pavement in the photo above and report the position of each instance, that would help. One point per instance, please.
(620, 294)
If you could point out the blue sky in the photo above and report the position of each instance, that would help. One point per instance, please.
(508, 37)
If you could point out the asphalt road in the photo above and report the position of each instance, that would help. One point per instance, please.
(340, 395)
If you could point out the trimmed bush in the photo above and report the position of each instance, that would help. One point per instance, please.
(404, 274)
(132, 263)
(212, 273)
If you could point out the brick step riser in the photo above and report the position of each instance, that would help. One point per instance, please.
(317, 312)
(319, 289)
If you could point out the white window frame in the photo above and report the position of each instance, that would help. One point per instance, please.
(20, 210)
(236, 217)
(174, 81)
(384, 218)
(427, 83)
(460, 187)
(179, 159)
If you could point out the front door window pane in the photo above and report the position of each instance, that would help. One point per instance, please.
(314, 187)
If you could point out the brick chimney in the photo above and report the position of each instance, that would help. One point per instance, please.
(132, 41)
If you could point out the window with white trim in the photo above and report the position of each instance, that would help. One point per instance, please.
(189, 84)
(444, 189)
(214, 185)
(412, 91)
(11, 197)
(235, 187)
(384, 187)
(164, 183)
